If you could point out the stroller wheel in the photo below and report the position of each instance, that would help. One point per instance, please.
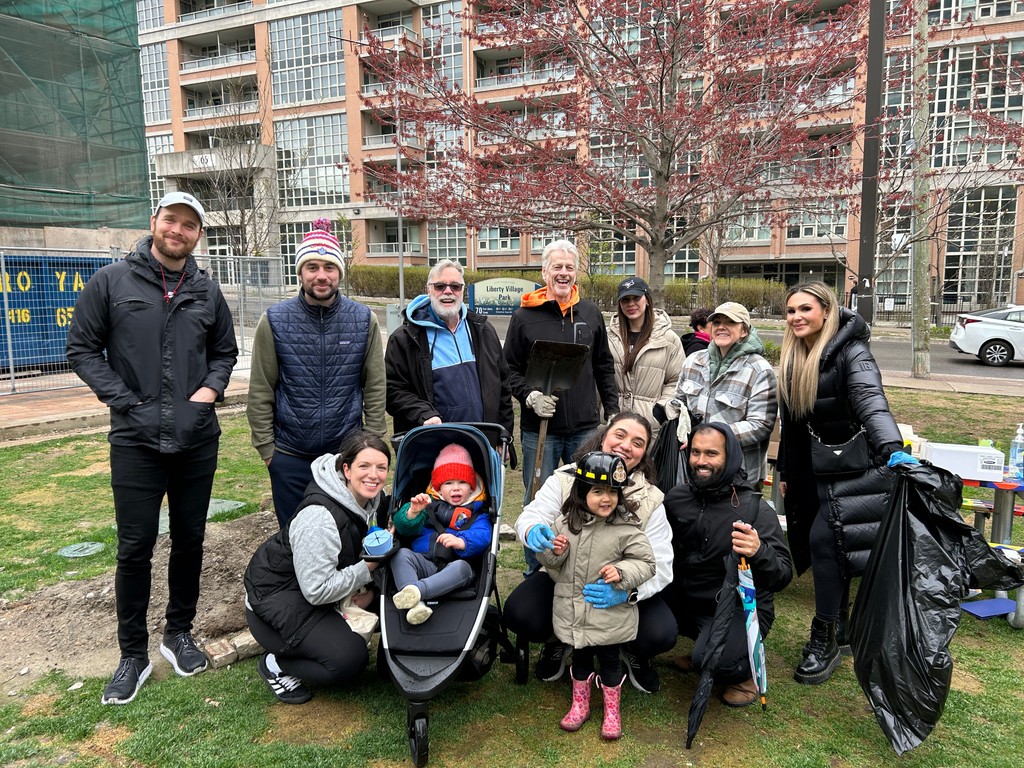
(522, 661)
(418, 742)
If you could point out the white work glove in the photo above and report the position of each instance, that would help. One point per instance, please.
(541, 404)
(683, 430)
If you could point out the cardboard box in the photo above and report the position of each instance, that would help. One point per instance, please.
(970, 462)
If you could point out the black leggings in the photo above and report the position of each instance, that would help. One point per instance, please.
(528, 613)
(329, 654)
(607, 657)
(830, 588)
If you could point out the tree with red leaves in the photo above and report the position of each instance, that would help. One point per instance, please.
(654, 121)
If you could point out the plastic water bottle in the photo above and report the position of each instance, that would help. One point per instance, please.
(1017, 454)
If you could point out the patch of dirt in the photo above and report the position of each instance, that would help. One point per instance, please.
(323, 721)
(72, 625)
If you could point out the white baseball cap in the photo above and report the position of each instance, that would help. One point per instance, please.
(182, 198)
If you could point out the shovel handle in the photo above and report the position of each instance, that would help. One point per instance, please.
(538, 459)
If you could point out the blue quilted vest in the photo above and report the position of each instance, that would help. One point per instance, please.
(320, 353)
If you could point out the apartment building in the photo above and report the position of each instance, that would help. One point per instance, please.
(290, 81)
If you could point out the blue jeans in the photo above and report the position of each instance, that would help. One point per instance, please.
(408, 567)
(558, 451)
(289, 476)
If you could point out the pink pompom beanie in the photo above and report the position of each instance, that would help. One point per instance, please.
(319, 243)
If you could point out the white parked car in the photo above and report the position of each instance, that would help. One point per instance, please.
(996, 336)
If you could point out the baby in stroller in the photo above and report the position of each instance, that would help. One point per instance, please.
(449, 526)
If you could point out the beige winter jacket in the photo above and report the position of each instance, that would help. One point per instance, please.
(615, 540)
(655, 371)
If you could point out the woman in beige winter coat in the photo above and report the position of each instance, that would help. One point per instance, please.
(648, 353)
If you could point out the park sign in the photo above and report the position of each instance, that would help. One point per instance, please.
(499, 295)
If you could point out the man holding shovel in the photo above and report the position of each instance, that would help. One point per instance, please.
(556, 313)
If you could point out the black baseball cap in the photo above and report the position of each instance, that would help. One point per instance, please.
(633, 286)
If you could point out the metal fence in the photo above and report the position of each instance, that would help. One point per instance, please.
(39, 288)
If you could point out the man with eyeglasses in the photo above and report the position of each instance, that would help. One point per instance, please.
(317, 372)
(445, 363)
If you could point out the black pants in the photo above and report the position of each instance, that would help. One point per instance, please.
(528, 613)
(139, 478)
(329, 654)
(607, 656)
(831, 590)
(695, 619)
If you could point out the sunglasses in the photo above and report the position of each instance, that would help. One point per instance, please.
(455, 287)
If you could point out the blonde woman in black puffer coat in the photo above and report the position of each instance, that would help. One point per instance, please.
(830, 389)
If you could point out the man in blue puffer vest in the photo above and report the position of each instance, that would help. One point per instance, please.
(317, 372)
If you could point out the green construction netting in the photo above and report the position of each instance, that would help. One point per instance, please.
(72, 135)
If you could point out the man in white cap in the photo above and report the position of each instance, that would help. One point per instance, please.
(152, 336)
(317, 372)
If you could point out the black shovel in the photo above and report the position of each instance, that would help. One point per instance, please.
(553, 367)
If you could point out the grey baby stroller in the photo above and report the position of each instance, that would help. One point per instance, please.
(460, 640)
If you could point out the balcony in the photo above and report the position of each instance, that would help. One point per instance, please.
(531, 77)
(192, 65)
(217, 10)
(390, 33)
(220, 110)
(391, 249)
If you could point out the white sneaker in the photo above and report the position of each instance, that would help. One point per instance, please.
(407, 597)
(419, 613)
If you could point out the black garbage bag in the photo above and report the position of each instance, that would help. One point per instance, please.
(908, 606)
(665, 455)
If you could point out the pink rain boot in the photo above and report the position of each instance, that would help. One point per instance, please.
(611, 728)
(579, 713)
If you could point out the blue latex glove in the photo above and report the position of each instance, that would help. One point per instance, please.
(602, 595)
(901, 457)
(540, 537)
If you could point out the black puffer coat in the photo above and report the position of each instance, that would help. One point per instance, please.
(849, 396)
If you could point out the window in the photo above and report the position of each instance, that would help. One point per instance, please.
(157, 145)
(816, 224)
(979, 246)
(156, 92)
(446, 240)
(151, 14)
(307, 63)
(310, 160)
(498, 239)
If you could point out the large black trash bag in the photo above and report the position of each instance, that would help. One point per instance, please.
(908, 606)
(665, 455)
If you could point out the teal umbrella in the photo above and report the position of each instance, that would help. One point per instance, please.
(755, 644)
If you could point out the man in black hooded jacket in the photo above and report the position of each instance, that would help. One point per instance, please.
(715, 513)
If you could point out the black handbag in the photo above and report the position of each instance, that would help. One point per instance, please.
(850, 458)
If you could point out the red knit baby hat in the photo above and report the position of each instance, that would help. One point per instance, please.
(453, 463)
(319, 243)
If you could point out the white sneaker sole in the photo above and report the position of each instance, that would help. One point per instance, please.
(419, 613)
(143, 676)
(168, 654)
(408, 597)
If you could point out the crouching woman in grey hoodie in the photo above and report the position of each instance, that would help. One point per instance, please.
(300, 575)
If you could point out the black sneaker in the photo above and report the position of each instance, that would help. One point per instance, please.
(641, 673)
(129, 677)
(287, 688)
(183, 653)
(551, 664)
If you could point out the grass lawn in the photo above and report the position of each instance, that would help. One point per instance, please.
(56, 492)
